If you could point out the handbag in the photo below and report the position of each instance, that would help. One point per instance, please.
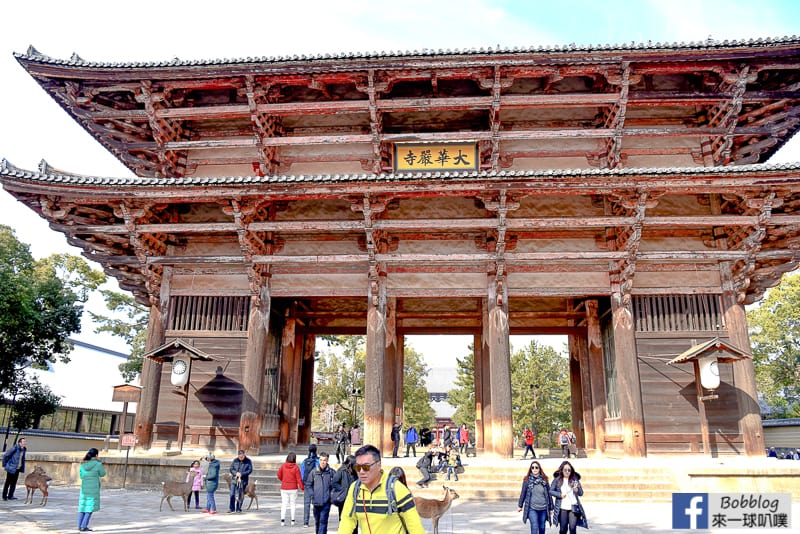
(577, 509)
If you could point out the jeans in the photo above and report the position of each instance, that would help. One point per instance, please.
(307, 496)
(529, 447)
(451, 470)
(394, 449)
(196, 499)
(237, 495)
(426, 476)
(83, 520)
(321, 514)
(211, 502)
(537, 520)
(288, 501)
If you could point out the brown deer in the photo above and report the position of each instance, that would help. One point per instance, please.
(434, 509)
(250, 490)
(175, 489)
(40, 480)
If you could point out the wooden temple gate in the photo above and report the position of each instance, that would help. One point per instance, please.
(282, 198)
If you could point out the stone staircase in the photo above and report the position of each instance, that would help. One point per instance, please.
(487, 479)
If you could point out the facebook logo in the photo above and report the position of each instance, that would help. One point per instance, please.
(690, 510)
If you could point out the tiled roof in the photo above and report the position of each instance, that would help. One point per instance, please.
(7, 170)
(709, 44)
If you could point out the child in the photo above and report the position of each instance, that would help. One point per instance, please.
(197, 484)
(452, 463)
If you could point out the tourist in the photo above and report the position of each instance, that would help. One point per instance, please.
(341, 442)
(306, 467)
(212, 483)
(535, 501)
(195, 474)
(447, 437)
(398, 473)
(463, 438)
(566, 488)
(342, 479)
(240, 470)
(424, 466)
(91, 472)
(291, 481)
(564, 441)
(528, 436)
(320, 481)
(371, 507)
(396, 438)
(14, 464)
(453, 461)
(411, 440)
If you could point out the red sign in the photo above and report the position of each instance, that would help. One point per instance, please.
(128, 440)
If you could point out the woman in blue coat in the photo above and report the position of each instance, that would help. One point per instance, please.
(566, 488)
(91, 472)
(535, 502)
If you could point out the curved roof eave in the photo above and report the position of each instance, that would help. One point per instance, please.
(11, 174)
(32, 55)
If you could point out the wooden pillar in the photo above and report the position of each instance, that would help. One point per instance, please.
(306, 387)
(577, 386)
(579, 347)
(400, 376)
(744, 377)
(597, 374)
(150, 381)
(629, 390)
(296, 385)
(389, 393)
(477, 368)
(374, 364)
(286, 378)
(253, 375)
(486, 381)
(500, 361)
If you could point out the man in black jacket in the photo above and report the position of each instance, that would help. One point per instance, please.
(320, 482)
(240, 471)
(396, 438)
(424, 466)
(14, 464)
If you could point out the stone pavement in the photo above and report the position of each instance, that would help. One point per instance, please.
(136, 511)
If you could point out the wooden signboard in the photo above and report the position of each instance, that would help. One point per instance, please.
(435, 157)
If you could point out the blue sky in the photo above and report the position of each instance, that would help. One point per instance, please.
(36, 128)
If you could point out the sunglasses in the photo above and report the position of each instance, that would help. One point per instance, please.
(534, 467)
(364, 467)
(567, 469)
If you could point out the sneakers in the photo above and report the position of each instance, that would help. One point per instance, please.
(212, 512)
(205, 511)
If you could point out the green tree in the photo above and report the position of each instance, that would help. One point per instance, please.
(774, 335)
(463, 395)
(129, 322)
(417, 409)
(38, 311)
(338, 374)
(540, 391)
(34, 402)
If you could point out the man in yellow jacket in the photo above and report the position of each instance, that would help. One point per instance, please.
(367, 504)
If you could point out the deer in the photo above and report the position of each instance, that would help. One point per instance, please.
(434, 509)
(250, 490)
(175, 489)
(40, 480)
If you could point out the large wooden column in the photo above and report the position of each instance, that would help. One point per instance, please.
(486, 381)
(597, 374)
(303, 392)
(579, 349)
(253, 375)
(374, 364)
(744, 377)
(286, 378)
(500, 361)
(150, 380)
(629, 390)
(477, 368)
(400, 375)
(391, 412)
